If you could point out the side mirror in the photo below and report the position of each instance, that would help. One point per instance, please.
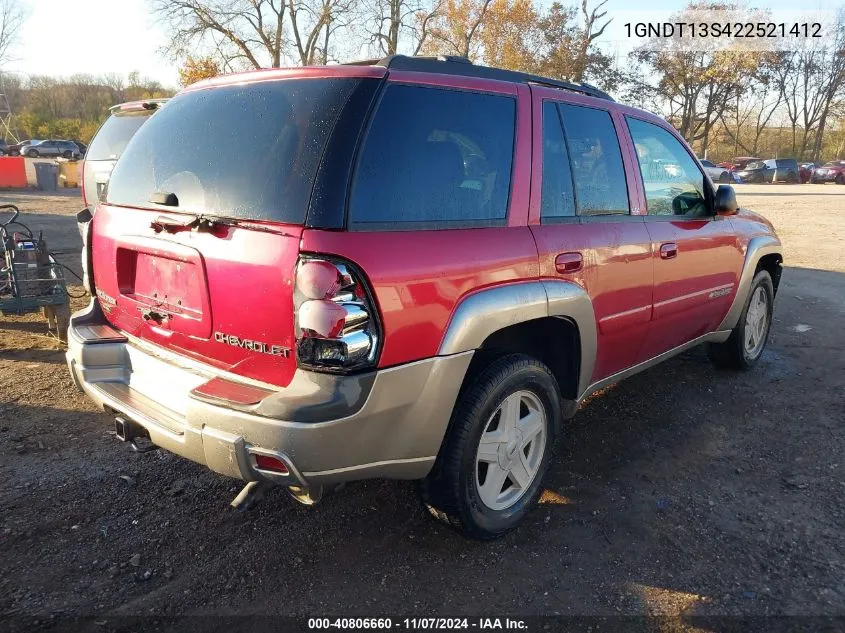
(724, 202)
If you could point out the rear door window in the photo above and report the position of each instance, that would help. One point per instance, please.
(241, 151)
(437, 158)
(597, 169)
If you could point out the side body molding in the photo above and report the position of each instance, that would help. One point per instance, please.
(488, 311)
(757, 248)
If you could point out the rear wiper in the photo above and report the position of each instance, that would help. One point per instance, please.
(208, 224)
(199, 222)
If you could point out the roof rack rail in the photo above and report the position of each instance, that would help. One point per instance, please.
(454, 65)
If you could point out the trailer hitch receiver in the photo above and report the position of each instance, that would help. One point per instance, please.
(129, 431)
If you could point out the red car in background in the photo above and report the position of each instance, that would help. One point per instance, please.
(834, 171)
(739, 162)
(805, 171)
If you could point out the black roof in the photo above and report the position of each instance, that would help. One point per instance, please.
(452, 65)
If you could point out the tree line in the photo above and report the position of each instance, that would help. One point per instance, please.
(767, 103)
(69, 108)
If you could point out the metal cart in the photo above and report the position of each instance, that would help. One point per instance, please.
(30, 278)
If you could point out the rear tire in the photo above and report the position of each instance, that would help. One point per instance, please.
(489, 472)
(748, 339)
(724, 177)
(840, 179)
(33, 153)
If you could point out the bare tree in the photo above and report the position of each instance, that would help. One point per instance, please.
(388, 18)
(753, 106)
(831, 82)
(424, 20)
(590, 33)
(12, 17)
(389, 22)
(313, 22)
(249, 32)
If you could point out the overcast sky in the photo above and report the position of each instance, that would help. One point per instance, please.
(62, 37)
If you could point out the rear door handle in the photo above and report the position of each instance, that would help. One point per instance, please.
(569, 262)
(669, 250)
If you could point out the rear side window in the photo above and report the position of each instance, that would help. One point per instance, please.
(597, 169)
(112, 137)
(435, 157)
(558, 200)
(242, 151)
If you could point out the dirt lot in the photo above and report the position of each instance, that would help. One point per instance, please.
(683, 490)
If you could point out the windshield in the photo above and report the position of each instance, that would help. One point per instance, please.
(111, 139)
(242, 151)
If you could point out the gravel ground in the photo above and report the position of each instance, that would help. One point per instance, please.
(681, 491)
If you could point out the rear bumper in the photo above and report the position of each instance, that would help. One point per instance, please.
(326, 429)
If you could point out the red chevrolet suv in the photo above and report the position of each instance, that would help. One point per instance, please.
(414, 268)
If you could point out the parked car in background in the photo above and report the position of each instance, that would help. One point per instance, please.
(805, 171)
(716, 173)
(739, 162)
(18, 148)
(834, 171)
(52, 148)
(300, 310)
(108, 145)
(772, 170)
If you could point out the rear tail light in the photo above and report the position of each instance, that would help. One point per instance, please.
(337, 327)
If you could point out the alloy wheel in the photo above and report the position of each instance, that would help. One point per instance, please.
(756, 323)
(511, 450)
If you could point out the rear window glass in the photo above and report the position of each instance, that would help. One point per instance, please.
(243, 151)
(600, 185)
(435, 157)
(111, 139)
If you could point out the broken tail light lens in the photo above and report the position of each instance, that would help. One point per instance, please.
(337, 327)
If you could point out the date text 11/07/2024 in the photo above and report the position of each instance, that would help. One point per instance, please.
(358, 624)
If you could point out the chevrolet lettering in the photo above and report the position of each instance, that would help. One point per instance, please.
(254, 346)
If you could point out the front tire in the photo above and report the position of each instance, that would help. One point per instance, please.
(489, 472)
(840, 179)
(33, 153)
(745, 345)
(724, 177)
